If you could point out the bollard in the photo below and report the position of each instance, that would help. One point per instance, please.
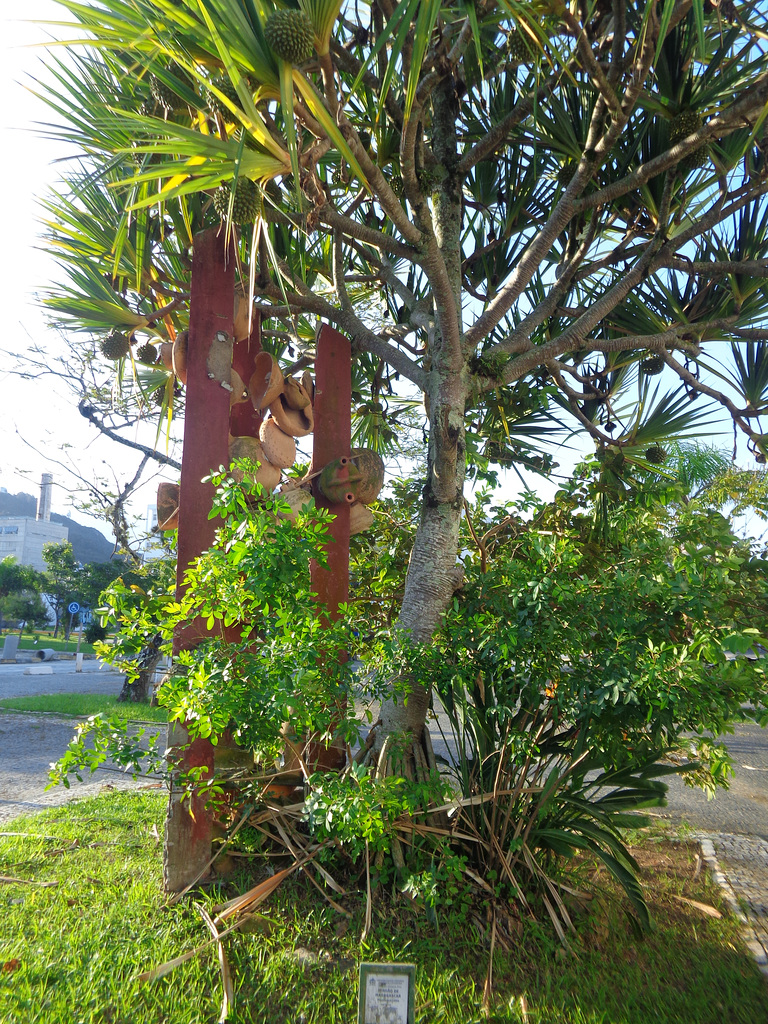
(46, 654)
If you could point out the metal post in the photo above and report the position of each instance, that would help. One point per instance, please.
(332, 440)
(78, 655)
(206, 427)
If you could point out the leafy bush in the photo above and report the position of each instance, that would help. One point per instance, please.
(95, 632)
(574, 665)
(579, 665)
(268, 666)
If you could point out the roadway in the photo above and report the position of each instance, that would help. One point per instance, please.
(28, 743)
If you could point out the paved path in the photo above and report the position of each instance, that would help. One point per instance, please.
(743, 808)
(96, 677)
(29, 743)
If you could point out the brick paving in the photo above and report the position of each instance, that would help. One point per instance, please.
(739, 865)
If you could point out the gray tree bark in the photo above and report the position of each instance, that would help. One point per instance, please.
(433, 571)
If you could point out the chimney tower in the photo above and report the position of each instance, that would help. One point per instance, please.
(44, 504)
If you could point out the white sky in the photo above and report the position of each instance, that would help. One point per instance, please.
(36, 411)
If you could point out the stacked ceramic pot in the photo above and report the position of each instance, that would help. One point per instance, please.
(289, 403)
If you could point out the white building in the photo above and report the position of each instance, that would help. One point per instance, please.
(22, 537)
(151, 544)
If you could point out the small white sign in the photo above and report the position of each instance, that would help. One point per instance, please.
(386, 993)
(386, 999)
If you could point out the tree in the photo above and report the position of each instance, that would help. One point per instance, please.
(525, 212)
(15, 579)
(61, 580)
(95, 577)
(116, 417)
(25, 608)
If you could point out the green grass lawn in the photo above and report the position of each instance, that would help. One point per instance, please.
(82, 705)
(71, 951)
(59, 644)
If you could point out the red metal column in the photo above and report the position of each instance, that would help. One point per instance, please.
(206, 429)
(332, 440)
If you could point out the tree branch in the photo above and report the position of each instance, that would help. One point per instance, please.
(354, 229)
(88, 412)
(347, 321)
(724, 124)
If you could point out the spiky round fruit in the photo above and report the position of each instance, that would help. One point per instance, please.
(225, 85)
(164, 94)
(680, 127)
(656, 455)
(115, 346)
(517, 49)
(396, 184)
(652, 366)
(246, 204)
(685, 123)
(146, 353)
(290, 35)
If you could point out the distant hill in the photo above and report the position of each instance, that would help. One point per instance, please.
(88, 543)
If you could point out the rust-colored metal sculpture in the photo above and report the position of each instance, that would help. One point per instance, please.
(206, 431)
(332, 440)
(221, 373)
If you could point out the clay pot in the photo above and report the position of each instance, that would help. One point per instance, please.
(295, 394)
(309, 385)
(371, 466)
(266, 381)
(267, 474)
(280, 448)
(180, 356)
(296, 422)
(360, 518)
(168, 506)
(338, 481)
(166, 355)
(296, 499)
(242, 324)
(239, 391)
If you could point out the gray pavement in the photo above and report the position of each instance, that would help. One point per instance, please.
(743, 808)
(96, 677)
(30, 742)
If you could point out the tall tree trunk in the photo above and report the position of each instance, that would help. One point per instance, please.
(137, 691)
(433, 571)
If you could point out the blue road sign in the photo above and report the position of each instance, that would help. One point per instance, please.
(73, 608)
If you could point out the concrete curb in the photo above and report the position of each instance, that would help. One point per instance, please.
(747, 920)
